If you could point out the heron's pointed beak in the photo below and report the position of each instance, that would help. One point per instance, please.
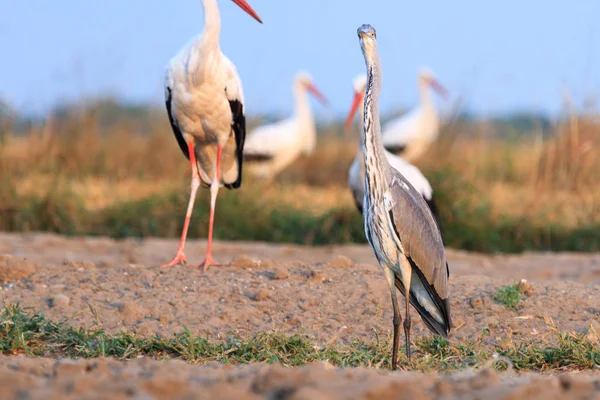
(435, 85)
(358, 97)
(246, 7)
(315, 92)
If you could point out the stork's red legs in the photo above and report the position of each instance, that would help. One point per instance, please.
(179, 256)
(214, 190)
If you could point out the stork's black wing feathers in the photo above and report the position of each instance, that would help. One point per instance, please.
(257, 157)
(359, 205)
(239, 129)
(396, 149)
(178, 135)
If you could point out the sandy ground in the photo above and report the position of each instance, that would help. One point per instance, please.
(22, 378)
(334, 292)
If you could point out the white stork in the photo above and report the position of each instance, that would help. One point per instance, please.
(411, 134)
(205, 104)
(271, 148)
(356, 172)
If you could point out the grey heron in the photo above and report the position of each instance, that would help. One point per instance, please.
(398, 224)
(356, 172)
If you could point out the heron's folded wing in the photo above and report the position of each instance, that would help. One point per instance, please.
(418, 233)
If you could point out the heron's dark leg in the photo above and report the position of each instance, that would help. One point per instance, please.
(406, 271)
(214, 190)
(407, 324)
(180, 256)
(389, 274)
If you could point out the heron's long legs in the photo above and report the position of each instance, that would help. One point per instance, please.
(180, 256)
(214, 191)
(406, 271)
(407, 324)
(389, 274)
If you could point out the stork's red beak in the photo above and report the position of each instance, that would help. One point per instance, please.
(435, 85)
(358, 97)
(315, 92)
(246, 7)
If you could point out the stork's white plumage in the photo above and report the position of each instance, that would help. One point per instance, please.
(411, 134)
(205, 104)
(271, 148)
(356, 172)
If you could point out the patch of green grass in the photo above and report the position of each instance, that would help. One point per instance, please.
(242, 216)
(32, 334)
(509, 296)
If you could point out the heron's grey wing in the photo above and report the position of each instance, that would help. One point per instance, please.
(417, 232)
(418, 238)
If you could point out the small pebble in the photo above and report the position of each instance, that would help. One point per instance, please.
(131, 312)
(262, 294)
(491, 321)
(339, 262)
(60, 300)
(593, 332)
(317, 277)
(526, 288)
(68, 369)
(279, 274)
(476, 301)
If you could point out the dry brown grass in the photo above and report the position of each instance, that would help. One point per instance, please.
(541, 179)
(554, 179)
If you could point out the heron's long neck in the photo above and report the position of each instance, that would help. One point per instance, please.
(377, 167)
(212, 26)
(361, 125)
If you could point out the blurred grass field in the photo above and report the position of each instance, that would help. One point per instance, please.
(108, 169)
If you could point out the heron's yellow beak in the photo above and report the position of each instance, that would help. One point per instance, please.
(363, 35)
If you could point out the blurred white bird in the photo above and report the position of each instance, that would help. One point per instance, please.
(271, 148)
(411, 134)
(205, 105)
(356, 172)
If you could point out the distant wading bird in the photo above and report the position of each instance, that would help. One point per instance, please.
(411, 134)
(398, 224)
(205, 103)
(356, 172)
(271, 148)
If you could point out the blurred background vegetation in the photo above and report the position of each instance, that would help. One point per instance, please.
(522, 182)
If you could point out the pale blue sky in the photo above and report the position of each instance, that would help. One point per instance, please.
(501, 55)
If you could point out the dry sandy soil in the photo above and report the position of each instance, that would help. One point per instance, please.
(328, 293)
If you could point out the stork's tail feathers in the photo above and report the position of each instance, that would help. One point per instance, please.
(239, 129)
(359, 206)
(358, 200)
(396, 149)
(250, 157)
